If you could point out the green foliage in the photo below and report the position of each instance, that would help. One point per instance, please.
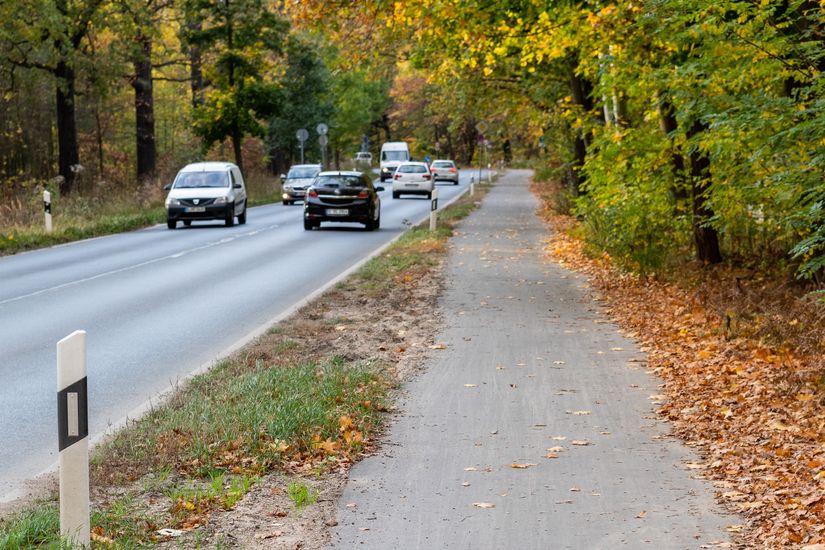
(304, 88)
(239, 40)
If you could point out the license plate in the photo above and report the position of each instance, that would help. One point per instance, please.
(337, 212)
(412, 185)
(196, 209)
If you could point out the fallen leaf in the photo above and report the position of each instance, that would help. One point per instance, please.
(521, 466)
(580, 442)
(616, 349)
(470, 385)
(438, 346)
(556, 449)
(551, 455)
(642, 514)
(484, 505)
(272, 535)
(579, 413)
(465, 484)
(575, 490)
(471, 469)
(559, 437)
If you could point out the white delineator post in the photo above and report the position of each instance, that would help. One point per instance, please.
(433, 208)
(47, 208)
(73, 438)
(472, 186)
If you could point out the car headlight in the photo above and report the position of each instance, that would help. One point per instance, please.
(222, 200)
(172, 202)
(288, 188)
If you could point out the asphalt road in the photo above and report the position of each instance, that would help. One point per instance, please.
(157, 305)
(531, 368)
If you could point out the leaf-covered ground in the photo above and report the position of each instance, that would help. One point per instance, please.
(740, 354)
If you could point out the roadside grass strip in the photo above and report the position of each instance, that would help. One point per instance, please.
(85, 217)
(284, 403)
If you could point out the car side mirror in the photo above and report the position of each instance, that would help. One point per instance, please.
(237, 185)
(283, 177)
(167, 187)
(379, 188)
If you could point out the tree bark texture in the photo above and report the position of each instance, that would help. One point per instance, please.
(68, 162)
(144, 112)
(705, 237)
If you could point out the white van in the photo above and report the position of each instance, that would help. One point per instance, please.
(393, 153)
(206, 191)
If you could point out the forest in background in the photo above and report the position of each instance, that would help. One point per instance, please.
(682, 129)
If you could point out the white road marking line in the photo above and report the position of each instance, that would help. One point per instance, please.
(174, 256)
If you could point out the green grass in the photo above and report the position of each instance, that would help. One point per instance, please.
(301, 495)
(230, 417)
(37, 527)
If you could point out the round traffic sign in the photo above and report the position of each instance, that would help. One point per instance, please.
(322, 129)
(323, 140)
(302, 134)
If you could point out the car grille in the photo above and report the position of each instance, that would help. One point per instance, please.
(200, 202)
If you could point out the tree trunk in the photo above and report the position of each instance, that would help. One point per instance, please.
(581, 92)
(196, 82)
(68, 151)
(144, 111)
(237, 142)
(705, 237)
(668, 125)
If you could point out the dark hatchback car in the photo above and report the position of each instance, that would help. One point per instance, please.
(342, 197)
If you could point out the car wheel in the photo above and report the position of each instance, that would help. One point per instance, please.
(308, 225)
(430, 195)
(395, 195)
(455, 182)
(171, 224)
(286, 203)
(242, 215)
(378, 221)
(230, 216)
(187, 223)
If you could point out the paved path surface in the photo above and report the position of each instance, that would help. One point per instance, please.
(530, 364)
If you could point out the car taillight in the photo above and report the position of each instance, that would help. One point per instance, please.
(312, 193)
(363, 194)
(452, 169)
(426, 176)
(398, 176)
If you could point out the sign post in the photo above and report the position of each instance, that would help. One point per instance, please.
(433, 208)
(481, 127)
(322, 130)
(73, 438)
(302, 136)
(47, 208)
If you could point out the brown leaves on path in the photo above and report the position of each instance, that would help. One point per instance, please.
(742, 381)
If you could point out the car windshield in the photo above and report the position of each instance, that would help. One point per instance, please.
(339, 181)
(394, 155)
(412, 169)
(302, 172)
(442, 164)
(190, 180)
